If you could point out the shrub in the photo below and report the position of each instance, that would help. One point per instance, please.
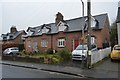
(55, 60)
(64, 55)
(49, 51)
(21, 47)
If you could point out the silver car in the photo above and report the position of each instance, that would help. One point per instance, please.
(11, 51)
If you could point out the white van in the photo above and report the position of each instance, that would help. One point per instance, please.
(77, 53)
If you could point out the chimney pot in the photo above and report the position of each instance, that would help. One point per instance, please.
(59, 17)
(13, 29)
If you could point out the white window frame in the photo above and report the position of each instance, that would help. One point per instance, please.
(61, 26)
(44, 43)
(92, 40)
(30, 33)
(61, 43)
(45, 30)
(29, 44)
(35, 46)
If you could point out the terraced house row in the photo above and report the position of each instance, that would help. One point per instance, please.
(67, 34)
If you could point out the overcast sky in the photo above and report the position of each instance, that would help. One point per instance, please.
(26, 13)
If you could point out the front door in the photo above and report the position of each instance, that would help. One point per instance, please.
(75, 44)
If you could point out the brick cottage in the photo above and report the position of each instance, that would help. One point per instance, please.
(67, 34)
(12, 39)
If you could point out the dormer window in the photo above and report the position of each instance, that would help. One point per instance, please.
(61, 26)
(4, 37)
(8, 37)
(94, 22)
(38, 30)
(11, 36)
(45, 30)
(30, 33)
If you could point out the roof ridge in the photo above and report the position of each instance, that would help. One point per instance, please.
(69, 20)
(86, 16)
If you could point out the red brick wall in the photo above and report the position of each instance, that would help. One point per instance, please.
(69, 37)
(100, 35)
(106, 32)
(13, 43)
(38, 39)
(18, 39)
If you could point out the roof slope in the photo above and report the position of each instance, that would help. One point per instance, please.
(75, 24)
(14, 35)
(118, 15)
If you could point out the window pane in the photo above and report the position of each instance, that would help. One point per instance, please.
(61, 42)
(44, 43)
(29, 43)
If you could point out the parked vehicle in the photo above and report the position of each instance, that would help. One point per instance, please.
(115, 54)
(77, 54)
(11, 51)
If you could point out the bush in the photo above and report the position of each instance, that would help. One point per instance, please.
(21, 47)
(49, 51)
(64, 55)
(55, 60)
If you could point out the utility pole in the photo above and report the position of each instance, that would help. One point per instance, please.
(89, 34)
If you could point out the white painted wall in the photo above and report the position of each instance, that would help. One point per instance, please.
(99, 55)
(119, 4)
(118, 28)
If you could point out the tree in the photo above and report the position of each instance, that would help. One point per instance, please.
(114, 34)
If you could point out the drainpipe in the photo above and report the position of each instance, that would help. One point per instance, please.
(82, 35)
(51, 41)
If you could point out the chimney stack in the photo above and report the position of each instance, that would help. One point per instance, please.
(13, 29)
(59, 17)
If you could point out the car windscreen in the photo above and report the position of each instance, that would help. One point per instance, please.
(93, 46)
(14, 49)
(82, 47)
(117, 48)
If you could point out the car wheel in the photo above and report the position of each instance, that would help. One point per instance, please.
(112, 60)
(11, 53)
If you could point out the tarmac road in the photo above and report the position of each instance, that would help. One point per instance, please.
(19, 72)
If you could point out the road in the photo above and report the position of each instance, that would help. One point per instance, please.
(20, 72)
(109, 66)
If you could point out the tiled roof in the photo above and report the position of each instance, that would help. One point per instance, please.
(14, 35)
(73, 25)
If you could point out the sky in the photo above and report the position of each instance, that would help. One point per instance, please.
(31, 13)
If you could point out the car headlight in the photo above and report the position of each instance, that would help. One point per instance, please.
(83, 54)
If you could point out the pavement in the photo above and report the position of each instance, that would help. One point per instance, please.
(101, 71)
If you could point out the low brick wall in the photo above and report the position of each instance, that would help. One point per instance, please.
(24, 59)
